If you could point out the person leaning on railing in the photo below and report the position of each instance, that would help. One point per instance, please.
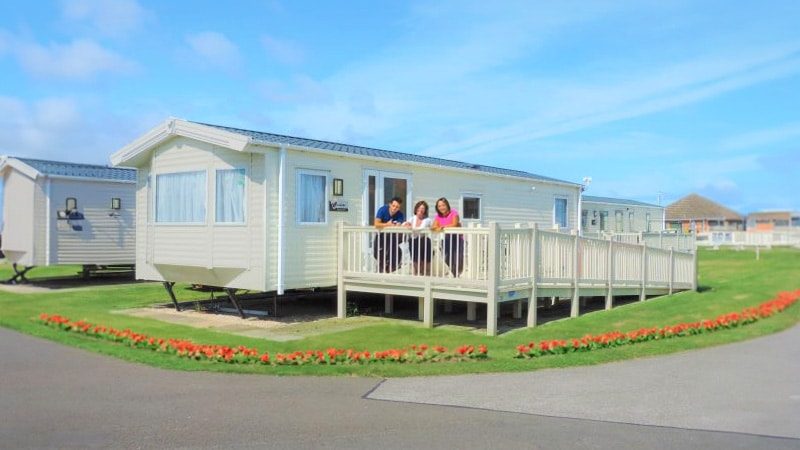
(453, 244)
(386, 248)
(419, 244)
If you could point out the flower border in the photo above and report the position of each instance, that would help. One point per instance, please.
(617, 338)
(244, 355)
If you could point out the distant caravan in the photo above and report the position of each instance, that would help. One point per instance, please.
(67, 213)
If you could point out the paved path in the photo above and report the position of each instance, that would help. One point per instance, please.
(56, 396)
(749, 387)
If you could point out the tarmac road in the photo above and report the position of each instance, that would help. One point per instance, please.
(57, 396)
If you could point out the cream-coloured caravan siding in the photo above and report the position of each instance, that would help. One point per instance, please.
(40, 229)
(104, 236)
(311, 249)
(639, 214)
(214, 254)
(18, 216)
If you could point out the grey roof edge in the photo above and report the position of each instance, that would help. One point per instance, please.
(77, 170)
(265, 138)
(618, 201)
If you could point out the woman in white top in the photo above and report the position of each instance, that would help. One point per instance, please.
(420, 245)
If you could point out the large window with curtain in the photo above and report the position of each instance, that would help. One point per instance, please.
(181, 197)
(312, 198)
(230, 196)
(560, 212)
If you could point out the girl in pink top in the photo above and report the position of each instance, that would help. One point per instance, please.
(453, 244)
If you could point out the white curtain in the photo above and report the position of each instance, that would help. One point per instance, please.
(561, 212)
(311, 198)
(181, 197)
(230, 196)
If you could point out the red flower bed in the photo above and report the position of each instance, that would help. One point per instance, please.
(244, 355)
(617, 338)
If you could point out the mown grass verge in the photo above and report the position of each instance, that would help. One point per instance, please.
(731, 281)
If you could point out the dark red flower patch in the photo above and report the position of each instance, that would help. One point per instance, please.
(616, 338)
(244, 355)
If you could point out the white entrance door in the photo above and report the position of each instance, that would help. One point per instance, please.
(380, 187)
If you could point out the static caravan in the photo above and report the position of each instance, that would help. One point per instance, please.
(66, 213)
(242, 209)
(617, 215)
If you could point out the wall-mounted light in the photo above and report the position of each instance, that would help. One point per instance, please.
(72, 204)
(116, 203)
(338, 186)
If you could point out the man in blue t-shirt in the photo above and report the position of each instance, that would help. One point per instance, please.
(386, 247)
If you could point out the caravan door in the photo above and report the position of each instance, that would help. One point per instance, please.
(382, 186)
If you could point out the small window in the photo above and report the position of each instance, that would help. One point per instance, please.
(584, 219)
(116, 203)
(647, 218)
(311, 197)
(181, 197)
(230, 193)
(603, 220)
(72, 204)
(630, 221)
(618, 218)
(471, 208)
(560, 213)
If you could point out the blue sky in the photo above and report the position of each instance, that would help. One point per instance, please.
(644, 97)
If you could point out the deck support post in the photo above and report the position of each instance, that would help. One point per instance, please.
(427, 303)
(420, 308)
(610, 262)
(232, 296)
(532, 303)
(341, 292)
(388, 304)
(168, 286)
(472, 311)
(518, 309)
(643, 294)
(576, 293)
(493, 278)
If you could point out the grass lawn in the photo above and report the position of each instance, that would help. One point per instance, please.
(730, 280)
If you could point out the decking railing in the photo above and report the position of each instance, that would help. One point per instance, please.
(495, 264)
(660, 239)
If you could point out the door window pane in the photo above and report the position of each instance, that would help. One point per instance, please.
(230, 196)
(311, 198)
(560, 217)
(181, 197)
(395, 187)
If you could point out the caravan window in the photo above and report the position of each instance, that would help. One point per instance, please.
(471, 207)
(230, 196)
(312, 196)
(181, 197)
(618, 217)
(560, 213)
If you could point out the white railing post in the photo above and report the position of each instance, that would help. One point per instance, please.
(643, 294)
(671, 269)
(341, 293)
(575, 308)
(532, 299)
(610, 292)
(694, 270)
(493, 279)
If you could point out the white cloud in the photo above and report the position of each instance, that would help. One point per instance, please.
(283, 51)
(37, 128)
(215, 50)
(109, 17)
(761, 138)
(79, 59)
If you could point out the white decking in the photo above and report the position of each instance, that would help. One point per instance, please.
(508, 264)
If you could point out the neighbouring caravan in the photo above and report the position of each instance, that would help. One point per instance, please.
(66, 213)
(617, 215)
(242, 209)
